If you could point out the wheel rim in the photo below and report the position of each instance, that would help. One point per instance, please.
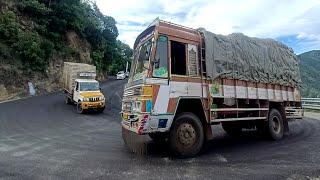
(186, 134)
(276, 124)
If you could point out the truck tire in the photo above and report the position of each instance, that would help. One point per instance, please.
(275, 125)
(80, 110)
(100, 110)
(159, 137)
(273, 128)
(68, 100)
(186, 136)
(232, 128)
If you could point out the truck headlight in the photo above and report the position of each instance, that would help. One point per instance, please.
(101, 98)
(136, 106)
(85, 99)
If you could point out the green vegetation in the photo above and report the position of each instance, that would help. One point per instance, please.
(310, 69)
(32, 30)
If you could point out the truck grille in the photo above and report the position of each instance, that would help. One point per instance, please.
(133, 91)
(94, 99)
(126, 106)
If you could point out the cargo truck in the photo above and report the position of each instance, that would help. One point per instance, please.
(185, 80)
(81, 88)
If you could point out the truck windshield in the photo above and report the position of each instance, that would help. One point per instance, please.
(89, 86)
(141, 60)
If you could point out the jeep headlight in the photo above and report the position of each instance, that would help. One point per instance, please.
(101, 98)
(85, 99)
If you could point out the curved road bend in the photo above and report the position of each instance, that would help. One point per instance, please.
(42, 138)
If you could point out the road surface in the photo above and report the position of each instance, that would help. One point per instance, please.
(43, 138)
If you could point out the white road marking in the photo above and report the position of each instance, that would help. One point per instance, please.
(16, 99)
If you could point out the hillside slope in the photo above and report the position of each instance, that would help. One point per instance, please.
(37, 36)
(310, 73)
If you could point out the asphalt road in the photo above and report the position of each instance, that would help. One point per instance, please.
(43, 138)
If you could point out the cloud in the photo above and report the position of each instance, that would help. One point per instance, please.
(261, 18)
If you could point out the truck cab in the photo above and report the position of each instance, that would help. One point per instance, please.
(165, 60)
(87, 95)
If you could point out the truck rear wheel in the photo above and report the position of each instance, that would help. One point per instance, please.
(232, 128)
(186, 135)
(275, 125)
(272, 128)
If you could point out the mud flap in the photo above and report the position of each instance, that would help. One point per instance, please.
(208, 132)
(136, 143)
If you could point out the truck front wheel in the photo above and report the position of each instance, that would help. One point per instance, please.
(79, 108)
(68, 100)
(186, 135)
(100, 110)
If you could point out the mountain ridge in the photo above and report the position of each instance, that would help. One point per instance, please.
(310, 69)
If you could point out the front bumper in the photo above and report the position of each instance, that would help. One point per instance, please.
(93, 105)
(121, 77)
(145, 123)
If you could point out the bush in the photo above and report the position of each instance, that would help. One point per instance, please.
(97, 58)
(34, 8)
(33, 51)
(9, 27)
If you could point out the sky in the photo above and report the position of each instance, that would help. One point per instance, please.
(296, 23)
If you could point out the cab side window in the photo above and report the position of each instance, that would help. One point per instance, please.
(178, 58)
(160, 63)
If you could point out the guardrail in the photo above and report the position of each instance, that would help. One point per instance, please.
(311, 103)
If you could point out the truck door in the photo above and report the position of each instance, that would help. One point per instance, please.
(161, 74)
(178, 64)
(76, 92)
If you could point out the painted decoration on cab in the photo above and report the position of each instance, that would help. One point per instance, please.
(160, 72)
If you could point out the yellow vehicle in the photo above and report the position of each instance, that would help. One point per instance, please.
(81, 88)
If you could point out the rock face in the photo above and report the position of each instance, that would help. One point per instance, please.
(80, 46)
(3, 92)
(13, 81)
